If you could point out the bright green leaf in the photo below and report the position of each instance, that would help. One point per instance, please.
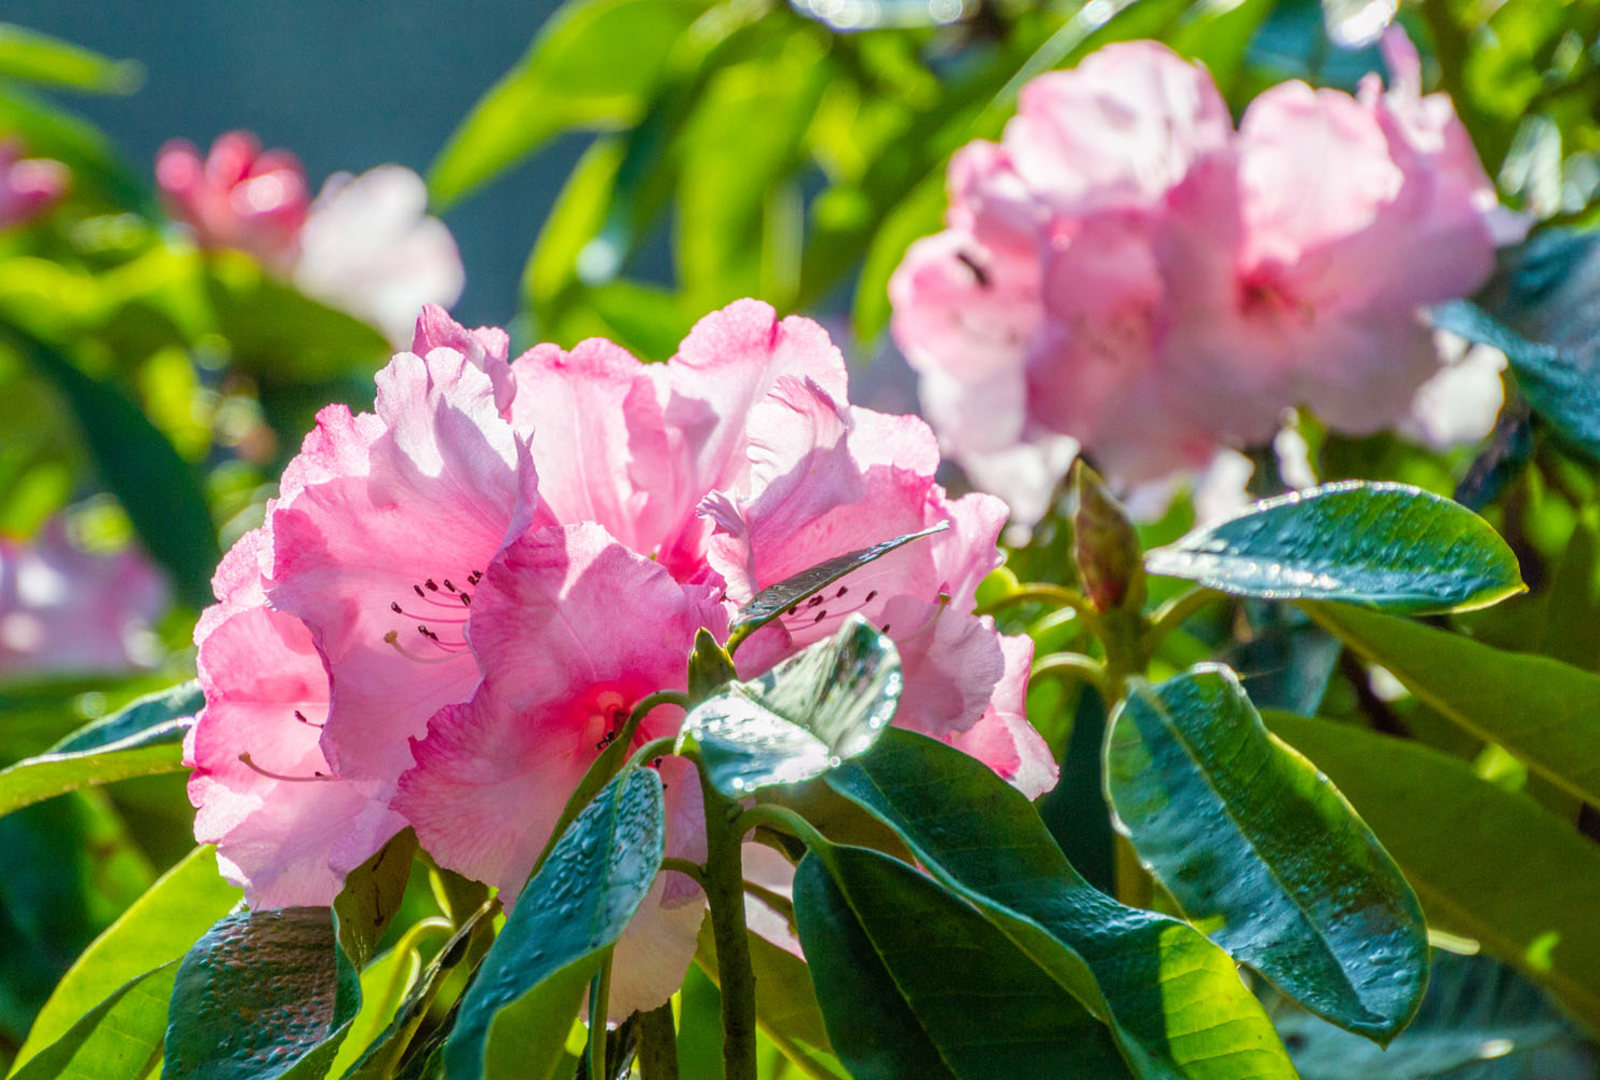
(263, 995)
(118, 1040)
(1173, 999)
(371, 897)
(566, 921)
(774, 600)
(1386, 546)
(1488, 864)
(915, 984)
(38, 58)
(1540, 709)
(593, 65)
(802, 718)
(1242, 829)
(159, 928)
(140, 740)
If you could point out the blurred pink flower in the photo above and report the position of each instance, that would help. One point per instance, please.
(1128, 271)
(29, 187)
(366, 245)
(65, 610)
(237, 196)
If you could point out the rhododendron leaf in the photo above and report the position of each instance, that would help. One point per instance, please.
(393, 1045)
(1540, 709)
(563, 927)
(1539, 312)
(371, 897)
(263, 994)
(915, 984)
(120, 1039)
(157, 929)
(803, 717)
(29, 56)
(140, 740)
(592, 65)
(1173, 1000)
(774, 600)
(1388, 546)
(1488, 864)
(1242, 829)
(157, 488)
(1107, 547)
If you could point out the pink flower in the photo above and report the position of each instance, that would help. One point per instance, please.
(63, 609)
(236, 196)
(366, 245)
(28, 187)
(1126, 270)
(266, 795)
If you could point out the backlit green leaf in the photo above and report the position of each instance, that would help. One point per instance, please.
(1243, 830)
(803, 717)
(1173, 999)
(915, 984)
(1540, 709)
(567, 919)
(38, 58)
(118, 1040)
(1386, 546)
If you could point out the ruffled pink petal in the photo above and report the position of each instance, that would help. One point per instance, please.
(1003, 739)
(487, 348)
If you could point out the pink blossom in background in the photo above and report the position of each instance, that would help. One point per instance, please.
(492, 569)
(29, 187)
(236, 196)
(365, 245)
(67, 610)
(1127, 271)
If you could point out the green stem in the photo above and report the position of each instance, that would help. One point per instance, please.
(658, 1044)
(653, 749)
(599, 1003)
(1075, 666)
(724, 888)
(784, 820)
(1174, 613)
(692, 870)
(1045, 593)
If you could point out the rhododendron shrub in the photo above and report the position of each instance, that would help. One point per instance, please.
(1128, 270)
(662, 701)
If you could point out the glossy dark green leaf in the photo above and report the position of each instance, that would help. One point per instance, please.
(264, 994)
(1478, 1021)
(143, 739)
(1241, 829)
(1174, 1000)
(157, 488)
(915, 984)
(38, 58)
(1388, 546)
(1488, 864)
(592, 66)
(157, 929)
(371, 897)
(566, 921)
(119, 1039)
(1539, 311)
(774, 600)
(1540, 709)
(802, 718)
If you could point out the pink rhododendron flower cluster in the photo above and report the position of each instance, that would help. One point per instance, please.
(365, 245)
(1127, 270)
(64, 609)
(457, 600)
(28, 186)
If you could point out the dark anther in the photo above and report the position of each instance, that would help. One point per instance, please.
(815, 600)
(449, 586)
(885, 628)
(465, 599)
(794, 609)
(395, 607)
(841, 592)
(419, 591)
(978, 272)
(870, 595)
(823, 614)
(432, 585)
